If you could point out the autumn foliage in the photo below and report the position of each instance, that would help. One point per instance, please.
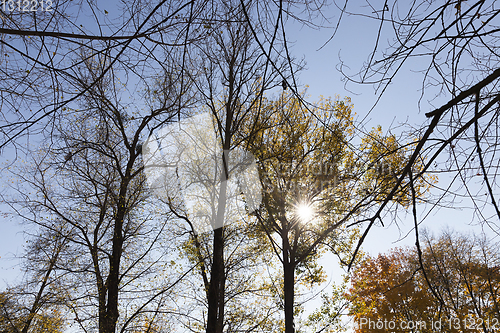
(461, 292)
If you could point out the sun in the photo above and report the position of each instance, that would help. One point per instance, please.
(305, 212)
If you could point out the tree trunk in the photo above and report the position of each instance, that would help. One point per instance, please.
(216, 288)
(112, 282)
(220, 320)
(214, 291)
(288, 285)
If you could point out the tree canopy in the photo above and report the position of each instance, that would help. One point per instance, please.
(457, 289)
(86, 90)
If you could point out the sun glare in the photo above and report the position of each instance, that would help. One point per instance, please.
(305, 212)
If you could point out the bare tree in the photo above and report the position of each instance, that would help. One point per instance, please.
(52, 46)
(230, 51)
(40, 47)
(458, 43)
(232, 78)
(90, 190)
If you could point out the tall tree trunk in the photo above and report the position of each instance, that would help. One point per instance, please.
(113, 280)
(288, 284)
(220, 319)
(214, 291)
(216, 288)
